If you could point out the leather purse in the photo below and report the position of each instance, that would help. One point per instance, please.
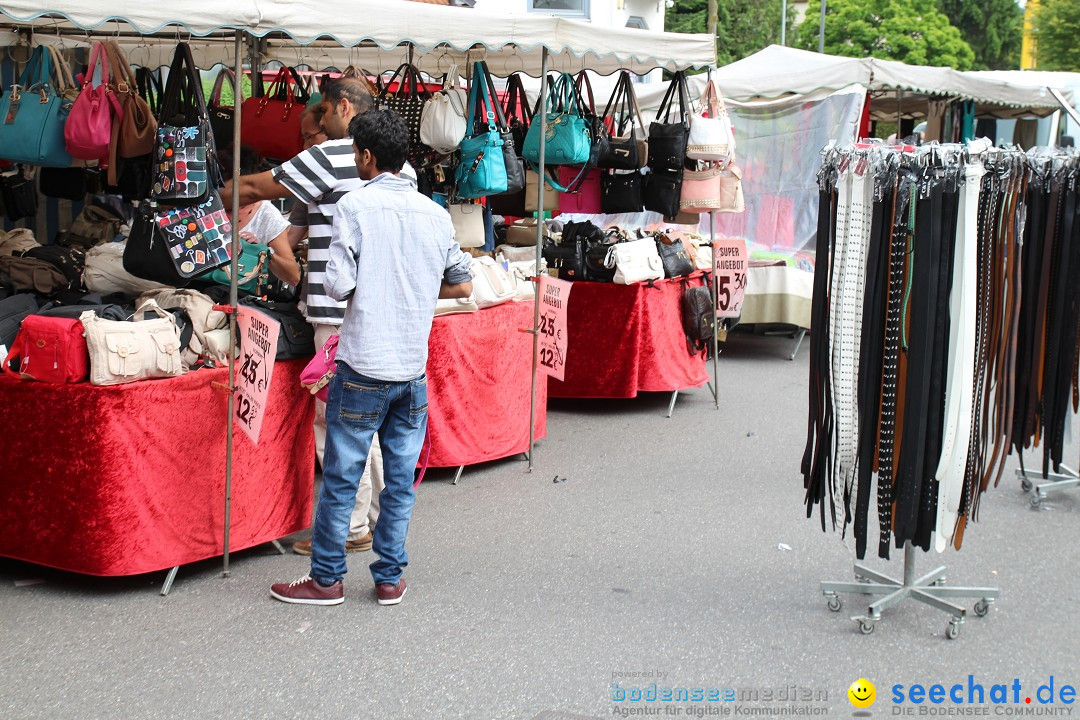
(185, 171)
(138, 126)
(586, 197)
(222, 116)
(627, 148)
(18, 195)
(711, 136)
(635, 261)
(317, 374)
(662, 192)
(700, 190)
(88, 131)
(198, 237)
(25, 274)
(673, 257)
(669, 133)
(568, 141)
(698, 318)
(69, 261)
(731, 192)
(271, 123)
(406, 94)
(518, 112)
(552, 196)
(515, 166)
(598, 130)
(468, 219)
(123, 352)
(35, 111)
(49, 349)
(620, 192)
(444, 120)
(481, 170)
(146, 254)
(492, 283)
(297, 336)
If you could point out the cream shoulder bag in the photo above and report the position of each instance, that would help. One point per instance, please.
(123, 352)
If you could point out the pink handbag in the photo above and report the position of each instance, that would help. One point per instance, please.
(318, 373)
(88, 130)
(49, 349)
(700, 190)
(587, 199)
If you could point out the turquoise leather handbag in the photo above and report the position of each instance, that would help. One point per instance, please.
(568, 141)
(482, 167)
(33, 112)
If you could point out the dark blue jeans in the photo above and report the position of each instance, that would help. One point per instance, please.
(357, 408)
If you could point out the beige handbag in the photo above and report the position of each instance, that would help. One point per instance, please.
(731, 194)
(700, 190)
(123, 352)
(551, 195)
(18, 241)
(523, 233)
(492, 284)
(455, 306)
(468, 221)
(104, 272)
(204, 320)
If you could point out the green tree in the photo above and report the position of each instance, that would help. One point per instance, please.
(743, 26)
(993, 28)
(1057, 26)
(911, 31)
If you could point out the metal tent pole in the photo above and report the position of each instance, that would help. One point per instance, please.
(715, 341)
(539, 250)
(233, 273)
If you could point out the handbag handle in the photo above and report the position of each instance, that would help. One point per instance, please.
(406, 73)
(516, 100)
(280, 85)
(491, 98)
(710, 103)
(183, 91)
(677, 85)
(623, 104)
(219, 85)
(452, 82)
(360, 74)
(583, 80)
(94, 65)
(149, 88)
(14, 353)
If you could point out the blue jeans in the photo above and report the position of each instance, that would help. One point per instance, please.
(357, 408)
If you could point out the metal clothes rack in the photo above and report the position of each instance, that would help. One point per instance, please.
(929, 589)
(1054, 481)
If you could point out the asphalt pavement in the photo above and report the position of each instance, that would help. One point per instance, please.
(642, 555)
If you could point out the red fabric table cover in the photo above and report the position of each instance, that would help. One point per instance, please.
(626, 339)
(131, 479)
(479, 374)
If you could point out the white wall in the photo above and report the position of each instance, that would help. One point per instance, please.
(602, 12)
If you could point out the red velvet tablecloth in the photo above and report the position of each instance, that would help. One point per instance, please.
(626, 339)
(479, 372)
(131, 479)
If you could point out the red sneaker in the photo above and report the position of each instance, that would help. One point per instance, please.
(390, 594)
(306, 591)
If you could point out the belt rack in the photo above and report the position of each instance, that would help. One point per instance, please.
(929, 589)
(1053, 482)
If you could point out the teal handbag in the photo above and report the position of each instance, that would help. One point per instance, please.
(481, 169)
(568, 141)
(33, 112)
(253, 269)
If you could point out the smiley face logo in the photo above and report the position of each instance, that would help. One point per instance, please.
(862, 693)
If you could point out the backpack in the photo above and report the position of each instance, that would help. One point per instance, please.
(698, 320)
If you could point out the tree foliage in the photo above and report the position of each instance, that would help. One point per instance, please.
(993, 28)
(1057, 27)
(911, 31)
(743, 26)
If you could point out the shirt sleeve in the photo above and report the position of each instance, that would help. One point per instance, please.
(308, 176)
(458, 262)
(268, 223)
(341, 268)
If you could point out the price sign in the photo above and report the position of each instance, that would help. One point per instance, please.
(553, 295)
(730, 261)
(258, 347)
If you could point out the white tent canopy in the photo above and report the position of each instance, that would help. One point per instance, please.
(372, 31)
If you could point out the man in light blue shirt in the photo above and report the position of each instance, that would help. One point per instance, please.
(393, 255)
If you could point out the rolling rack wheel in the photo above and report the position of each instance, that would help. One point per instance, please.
(866, 625)
(834, 602)
(953, 630)
(982, 607)
(1026, 485)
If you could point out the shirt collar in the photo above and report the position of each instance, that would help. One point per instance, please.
(391, 182)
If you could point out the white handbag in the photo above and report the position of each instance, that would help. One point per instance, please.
(105, 274)
(126, 351)
(635, 261)
(492, 284)
(468, 221)
(455, 306)
(443, 120)
(204, 320)
(711, 134)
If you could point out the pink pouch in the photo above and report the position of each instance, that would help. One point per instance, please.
(88, 129)
(318, 373)
(587, 198)
(49, 349)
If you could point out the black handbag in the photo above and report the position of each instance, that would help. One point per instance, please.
(146, 254)
(515, 166)
(662, 192)
(67, 260)
(626, 147)
(669, 133)
(297, 337)
(222, 116)
(518, 112)
(12, 311)
(566, 257)
(597, 129)
(63, 183)
(620, 192)
(185, 169)
(407, 100)
(674, 258)
(19, 195)
(593, 247)
(698, 320)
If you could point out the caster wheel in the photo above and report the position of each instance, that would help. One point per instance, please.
(835, 603)
(866, 627)
(982, 608)
(1026, 485)
(940, 582)
(861, 579)
(953, 631)
(1036, 501)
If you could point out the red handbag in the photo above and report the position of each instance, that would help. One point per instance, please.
(271, 123)
(50, 349)
(587, 198)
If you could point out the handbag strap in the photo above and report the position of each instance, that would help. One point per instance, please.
(61, 73)
(406, 75)
(582, 80)
(492, 99)
(149, 85)
(516, 100)
(183, 90)
(452, 81)
(35, 65)
(94, 64)
(710, 103)
(281, 85)
(219, 84)
(623, 107)
(677, 86)
(14, 353)
(151, 304)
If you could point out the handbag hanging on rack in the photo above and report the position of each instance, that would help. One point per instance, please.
(668, 136)
(222, 116)
(88, 131)
(134, 134)
(627, 148)
(444, 121)
(598, 131)
(518, 111)
(711, 136)
(700, 191)
(407, 99)
(568, 141)
(35, 111)
(515, 166)
(481, 169)
(620, 191)
(731, 192)
(271, 123)
(184, 164)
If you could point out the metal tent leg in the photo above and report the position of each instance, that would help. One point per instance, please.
(169, 580)
(930, 589)
(461, 469)
(799, 336)
(278, 547)
(1065, 480)
(671, 406)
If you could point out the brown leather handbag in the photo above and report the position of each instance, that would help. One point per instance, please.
(138, 127)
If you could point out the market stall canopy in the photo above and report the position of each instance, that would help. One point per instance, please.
(372, 33)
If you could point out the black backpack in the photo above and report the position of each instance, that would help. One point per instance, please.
(297, 336)
(698, 320)
(12, 311)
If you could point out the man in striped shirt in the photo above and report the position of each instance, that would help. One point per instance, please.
(319, 177)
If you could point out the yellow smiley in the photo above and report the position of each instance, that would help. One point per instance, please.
(862, 693)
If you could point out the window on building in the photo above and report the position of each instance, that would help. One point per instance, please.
(572, 8)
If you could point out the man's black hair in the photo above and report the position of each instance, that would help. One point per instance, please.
(385, 134)
(352, 90)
